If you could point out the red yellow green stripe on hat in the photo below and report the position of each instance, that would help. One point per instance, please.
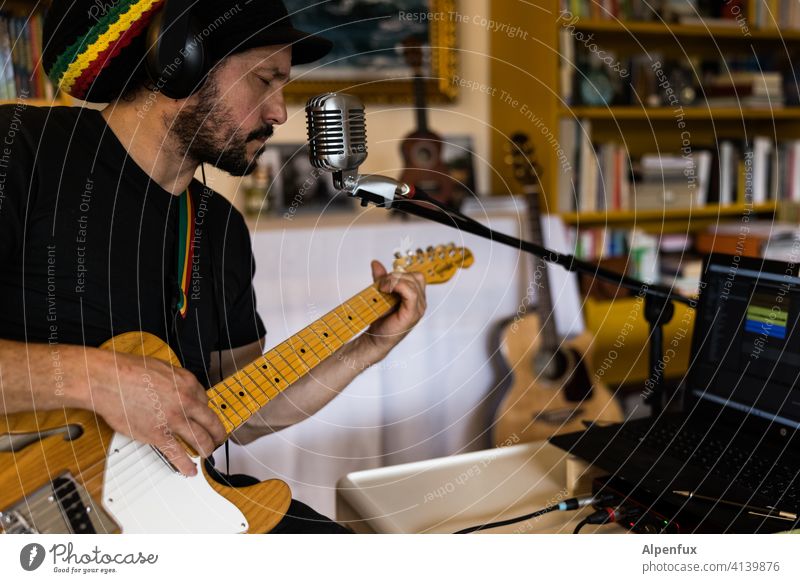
(78, 66)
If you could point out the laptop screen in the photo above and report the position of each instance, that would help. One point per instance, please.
(747, 339)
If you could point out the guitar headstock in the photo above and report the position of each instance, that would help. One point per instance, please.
(520, 156)
(438, 264)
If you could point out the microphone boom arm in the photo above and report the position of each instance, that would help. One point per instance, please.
(659, 300)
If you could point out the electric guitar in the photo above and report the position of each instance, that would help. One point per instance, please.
(67, 471)
(552, 390)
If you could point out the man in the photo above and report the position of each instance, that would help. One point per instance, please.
(100, 218)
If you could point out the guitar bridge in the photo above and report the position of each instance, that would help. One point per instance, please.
(62, 505)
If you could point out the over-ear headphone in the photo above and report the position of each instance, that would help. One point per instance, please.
(176, 59)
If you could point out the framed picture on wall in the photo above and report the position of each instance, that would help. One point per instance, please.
(367, 59)
(458, 156)
(296, 187)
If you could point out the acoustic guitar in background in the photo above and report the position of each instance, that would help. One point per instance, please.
(552, 388)
(422, 148)
(68, 472)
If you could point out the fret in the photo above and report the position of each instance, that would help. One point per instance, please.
(222, 405)
(245, 395)
(264, 380)
(304, 351)
(275, 374)
(267, 384)
(293, 375)
(250, 370)
(227, 424)
(230, 404)
(369, 305)
(359, 319)
(325, 327)
(366, 312)
(311, 339)
(247, 390)
(223, 414)
(347, 318)
(292, 359)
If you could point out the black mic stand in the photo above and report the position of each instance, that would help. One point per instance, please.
(658, 300)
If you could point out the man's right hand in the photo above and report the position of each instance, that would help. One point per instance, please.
(152, 402)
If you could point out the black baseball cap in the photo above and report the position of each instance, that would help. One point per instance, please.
(93, 49)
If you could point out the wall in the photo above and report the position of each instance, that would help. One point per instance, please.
(387, 125)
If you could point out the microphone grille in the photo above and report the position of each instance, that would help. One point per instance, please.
(337, 131)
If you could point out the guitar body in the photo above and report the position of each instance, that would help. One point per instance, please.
(68, 471)
(551, 393)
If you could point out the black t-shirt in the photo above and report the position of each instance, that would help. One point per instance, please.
(89, 249)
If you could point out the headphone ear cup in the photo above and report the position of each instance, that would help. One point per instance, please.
(176, 73)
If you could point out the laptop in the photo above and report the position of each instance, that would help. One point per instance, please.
(734, 437)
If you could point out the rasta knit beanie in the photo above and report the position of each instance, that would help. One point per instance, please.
(92, 49)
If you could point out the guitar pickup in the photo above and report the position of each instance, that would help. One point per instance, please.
(62, 505)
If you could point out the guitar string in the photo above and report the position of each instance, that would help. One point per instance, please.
(157, 458)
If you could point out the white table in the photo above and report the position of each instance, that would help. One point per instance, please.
(448, 494)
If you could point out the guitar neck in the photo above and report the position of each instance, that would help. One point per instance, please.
(544, 302)
(419, 102)
(236, 398)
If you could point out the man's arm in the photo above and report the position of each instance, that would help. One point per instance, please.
(329, 378)
(139, 396)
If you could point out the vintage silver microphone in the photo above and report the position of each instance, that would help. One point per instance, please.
(337, 137)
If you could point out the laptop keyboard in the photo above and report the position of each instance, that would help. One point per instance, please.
(768, 476)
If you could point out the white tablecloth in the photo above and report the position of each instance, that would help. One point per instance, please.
(426, 399)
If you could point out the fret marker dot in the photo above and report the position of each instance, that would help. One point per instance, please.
(264, 366)
(277, 380)
(223, 406)
(375, 300)
(241, 393)
(325, 334)
(302, 350)
(349, 317)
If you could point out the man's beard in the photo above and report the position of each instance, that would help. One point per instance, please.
(201, 132)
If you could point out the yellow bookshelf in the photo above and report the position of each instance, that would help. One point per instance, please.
(695, 113)
(527, 70)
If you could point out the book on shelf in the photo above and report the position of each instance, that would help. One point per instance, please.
(21, 55)
(666, 258)
(783, 14)
(600, 177)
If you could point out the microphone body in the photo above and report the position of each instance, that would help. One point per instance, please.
(337, 136)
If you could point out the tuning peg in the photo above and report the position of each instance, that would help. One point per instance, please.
(397, 255)
(429, 249)
(419, 252)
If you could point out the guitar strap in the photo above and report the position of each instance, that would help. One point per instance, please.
(186, 233)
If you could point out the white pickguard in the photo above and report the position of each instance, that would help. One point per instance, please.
(144, 495)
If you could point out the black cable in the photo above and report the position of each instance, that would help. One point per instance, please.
(569, 504)
(606, 515)
(509, 521)
(581, 524)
